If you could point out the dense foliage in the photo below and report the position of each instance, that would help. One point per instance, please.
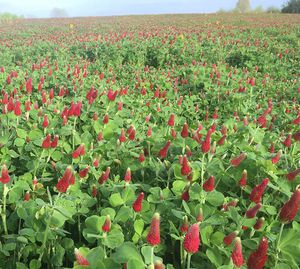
(292, 6)
(8, 17)
(133, 141)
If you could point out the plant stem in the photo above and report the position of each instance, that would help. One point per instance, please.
(48, 159)
(79, 229)
(278, 242)
(45, 235)
(152, 255)
(48, 223)
(39, 160)
(149, 150)
(181, 255)
(189, 261)
(279, 237)
(104, 250)
(252, 139)
(202, 170)
(285, 156)
(73, 133)
(3, 213)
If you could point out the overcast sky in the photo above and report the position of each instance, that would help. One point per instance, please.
(42, 8)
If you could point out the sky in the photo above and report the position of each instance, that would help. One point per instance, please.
(77, 8)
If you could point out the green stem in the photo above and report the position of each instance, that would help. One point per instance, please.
(279, 237)
(79, 229)
(48, 159)
(104, 250)
(3, 213)
(293, 153)
(285, 157)
(168, 181)
(7, 122)
(45, 236)
(167, 131)
(189, 261)
(202, 170)
(252, 139)
(149, 149)
(37, 167)
(44, 242)
(181, 255)
(73, 134)
(152, 255)
(278, 243)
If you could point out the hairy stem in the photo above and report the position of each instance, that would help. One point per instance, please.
(3, 213)
(189, 261)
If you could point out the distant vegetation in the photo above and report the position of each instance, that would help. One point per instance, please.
(258, 9)
(6, 17)
(58, 13)
(273, 10)
(292, 6)
(244, 6)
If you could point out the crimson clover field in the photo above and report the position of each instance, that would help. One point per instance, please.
(150, 142)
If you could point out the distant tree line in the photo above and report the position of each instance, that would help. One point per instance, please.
(58, 13)
(7, 17)
(244, 6)
(54, 13)
(292, 6)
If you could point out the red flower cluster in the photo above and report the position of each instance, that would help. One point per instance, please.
(83, 173)
(153, 236)
(185, 168)
(206, 143)
(105, 175)
(243, 180)
(67, 179)
(185, 130)
(290, 208)
(191, 241)
(163, 152)
(127, 177)
(258, 191)
(209, 184)
(4, 175)
(276, 158)
(74, 110)
(251, 212)
(171, 120)
(137, 205)
(237, 160)
(49, 143)
(258, 258)
(106, 225)
(81, 260)
(80, 151)
(230, 237)
(292, 175)
(237, 255)
(185, 225)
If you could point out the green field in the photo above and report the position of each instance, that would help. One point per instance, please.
(166, 141)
